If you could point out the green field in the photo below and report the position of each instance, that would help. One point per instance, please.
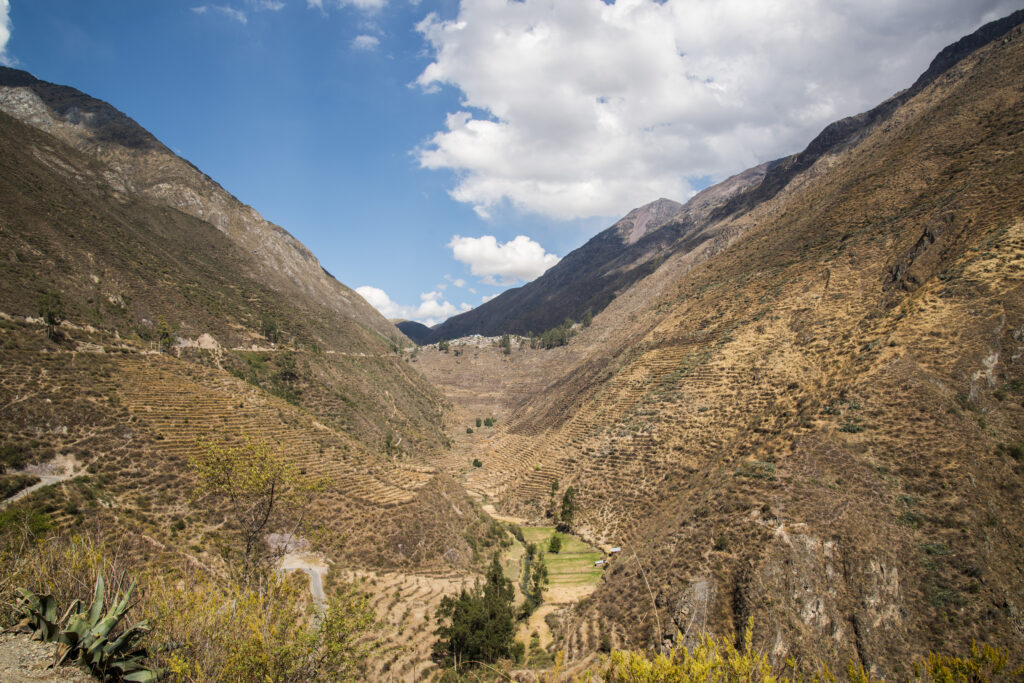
(573, 565)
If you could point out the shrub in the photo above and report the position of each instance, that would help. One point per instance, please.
(51, 310)
(555, 544)
(477, 462)
(10, 484)
(469, 430)
(1014, 450)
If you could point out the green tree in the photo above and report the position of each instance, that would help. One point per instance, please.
(51, 310)
(269, 329)
(443, 345)
(256, 490)
(535, 578)
(555, 544)
(506, 344)
(568, 511)
(164, 336)
(479, 422)
(588, 318)
(478, 625)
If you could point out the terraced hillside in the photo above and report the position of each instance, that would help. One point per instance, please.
(814, 424)
(131, 433)
(174, 336)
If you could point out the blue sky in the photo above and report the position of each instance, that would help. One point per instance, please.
(427, 149)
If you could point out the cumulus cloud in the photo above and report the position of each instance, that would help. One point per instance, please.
(5, 32)
(592, 107)
(432, 308)
(367, 43)
(495, 263)
(487, 297)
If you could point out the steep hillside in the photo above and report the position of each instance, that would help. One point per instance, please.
(590, 277)
(138, 166)
(817, 422)
(175, 332)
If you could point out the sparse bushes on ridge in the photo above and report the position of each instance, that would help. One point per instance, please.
(556, 336)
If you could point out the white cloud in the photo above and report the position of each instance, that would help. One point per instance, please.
(5, 32)
(504, 264)
(458, 282)
(432, 309)
(365, 5)
(272, 5)
(230, 12)
(365, 43)
(583, 108)
(487, 297)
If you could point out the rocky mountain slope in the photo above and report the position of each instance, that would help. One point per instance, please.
(590, 277)
(813, 419)
(187, 319)
(137, 165)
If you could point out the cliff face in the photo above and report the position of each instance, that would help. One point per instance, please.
(139, 165)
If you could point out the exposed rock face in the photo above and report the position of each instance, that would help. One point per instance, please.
(139, 164)
(643, 220)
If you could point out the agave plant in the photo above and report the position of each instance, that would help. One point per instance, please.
(88, 636)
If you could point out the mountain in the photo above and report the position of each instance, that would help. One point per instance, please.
(189, 320)
(814, 418)
(590, 277)
(137, 165)
(418, 332)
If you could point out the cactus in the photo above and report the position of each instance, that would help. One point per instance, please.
(88, 636)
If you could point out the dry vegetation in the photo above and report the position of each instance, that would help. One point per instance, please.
(817, 425)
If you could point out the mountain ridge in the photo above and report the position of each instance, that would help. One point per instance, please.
(138, 163)
(562, 295)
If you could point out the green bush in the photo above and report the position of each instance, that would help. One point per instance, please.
(555, 544)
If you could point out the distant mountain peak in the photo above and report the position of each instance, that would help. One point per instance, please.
(646, 218)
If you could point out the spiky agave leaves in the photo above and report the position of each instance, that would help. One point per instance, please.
(39, 614)
(87, 635)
